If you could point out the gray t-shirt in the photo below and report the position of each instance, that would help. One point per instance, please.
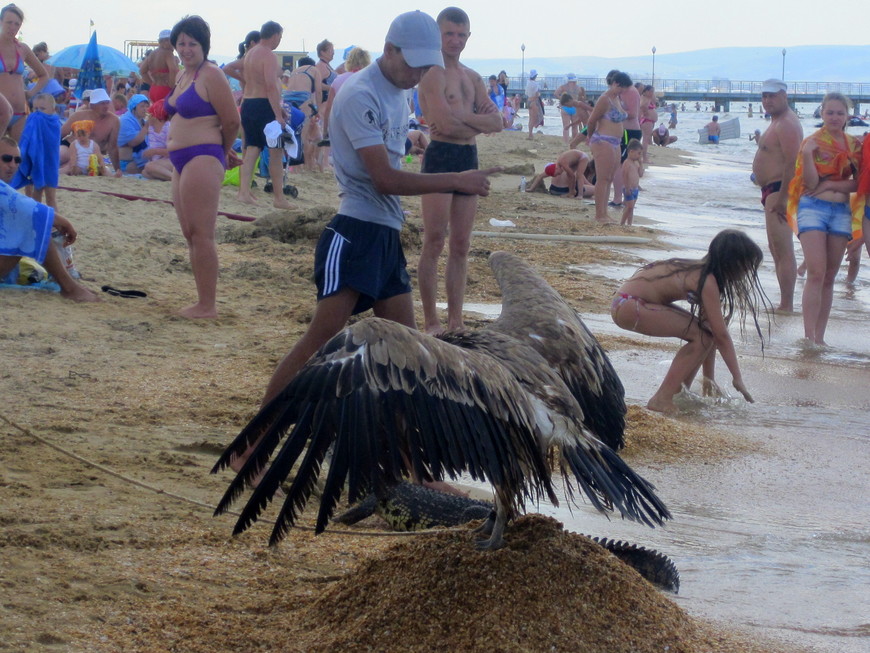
(368, 110)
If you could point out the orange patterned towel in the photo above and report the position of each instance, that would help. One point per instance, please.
(833, 161)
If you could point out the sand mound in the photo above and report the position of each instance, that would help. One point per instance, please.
(547, 590)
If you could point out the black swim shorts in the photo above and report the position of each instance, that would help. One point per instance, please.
(449, 157)
(363, 256)
(256, 114)
(627, 135)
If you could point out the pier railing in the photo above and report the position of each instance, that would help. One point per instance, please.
(721, 91)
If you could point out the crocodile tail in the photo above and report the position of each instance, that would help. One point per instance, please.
(656, 567)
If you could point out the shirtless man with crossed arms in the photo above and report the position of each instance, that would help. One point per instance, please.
(457, 107)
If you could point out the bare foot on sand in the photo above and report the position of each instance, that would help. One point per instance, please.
(198, 312)
(661, 406)
(281, 203)
(246, 198)
(434, 330)
(78, 293)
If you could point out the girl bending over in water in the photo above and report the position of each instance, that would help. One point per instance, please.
(724, 281)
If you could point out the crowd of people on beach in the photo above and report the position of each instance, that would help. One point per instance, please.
(178, 120)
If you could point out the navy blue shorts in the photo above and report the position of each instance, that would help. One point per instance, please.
(362, 256)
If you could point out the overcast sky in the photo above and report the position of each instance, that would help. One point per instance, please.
(548, 29)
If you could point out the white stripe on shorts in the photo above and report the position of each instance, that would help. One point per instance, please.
(331, 274)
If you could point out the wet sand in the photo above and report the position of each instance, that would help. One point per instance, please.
(114, 413)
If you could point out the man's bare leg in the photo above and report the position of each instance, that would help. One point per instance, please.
(246, 175)
(461, 222)
(780, 240)
(436, 217)
(330, 317)
(69, 287)
(276, 172)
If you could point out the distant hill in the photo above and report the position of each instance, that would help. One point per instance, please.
(807, 63)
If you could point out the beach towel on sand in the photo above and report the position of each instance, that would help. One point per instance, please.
(40, 154)
(25, 225)
(833, 161)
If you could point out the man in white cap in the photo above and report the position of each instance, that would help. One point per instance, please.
(533, 102)
(773, 169)
(159, 69)
(359, 263)
(457, 108)
(105, 131)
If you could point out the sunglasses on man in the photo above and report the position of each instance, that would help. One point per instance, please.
(8, 158)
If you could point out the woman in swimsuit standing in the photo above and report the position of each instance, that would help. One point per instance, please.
(605, 134)
(325, 54)
(204, 125)
(13, 56)
(649, 116)
(724, 281)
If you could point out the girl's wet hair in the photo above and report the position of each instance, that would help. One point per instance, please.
(733, 259)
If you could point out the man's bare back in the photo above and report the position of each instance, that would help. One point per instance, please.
(261, 72)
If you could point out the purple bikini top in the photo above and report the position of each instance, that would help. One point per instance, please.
(189, 104)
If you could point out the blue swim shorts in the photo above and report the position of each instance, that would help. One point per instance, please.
(630, 194)
(363, 256)
(833, 218)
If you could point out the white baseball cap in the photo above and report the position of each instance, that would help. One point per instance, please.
(419, 38)
(773, 86)
(164, 34)
(533, 73)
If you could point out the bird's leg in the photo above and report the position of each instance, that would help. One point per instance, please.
(495, 541)
(486, 527)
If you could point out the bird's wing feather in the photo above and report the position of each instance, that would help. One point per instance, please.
(605, 479)
(389, 400)
(536, 314)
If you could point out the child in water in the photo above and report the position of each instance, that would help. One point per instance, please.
(724, 281)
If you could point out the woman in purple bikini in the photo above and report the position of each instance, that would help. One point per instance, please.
(204, 125)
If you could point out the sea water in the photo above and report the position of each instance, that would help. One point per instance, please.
(777, 541)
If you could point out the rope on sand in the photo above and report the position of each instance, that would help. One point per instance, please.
(611, 240)
(134, 198)
(181, 497)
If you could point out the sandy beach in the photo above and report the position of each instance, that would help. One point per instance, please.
(114, 413)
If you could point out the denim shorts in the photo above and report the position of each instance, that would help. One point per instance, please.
(833, 218)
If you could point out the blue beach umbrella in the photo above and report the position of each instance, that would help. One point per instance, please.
(113, 61)
(91, 75)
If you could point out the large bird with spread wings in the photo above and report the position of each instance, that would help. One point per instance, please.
(385, 402)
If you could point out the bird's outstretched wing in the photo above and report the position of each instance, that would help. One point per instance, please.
(390, 402)
(536, 314)
(586, 462)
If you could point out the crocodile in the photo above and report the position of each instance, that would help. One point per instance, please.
(410, 507)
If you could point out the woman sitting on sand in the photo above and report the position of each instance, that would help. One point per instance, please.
(605, 130)
(205, 122)
(826, 172)
(725, 280)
